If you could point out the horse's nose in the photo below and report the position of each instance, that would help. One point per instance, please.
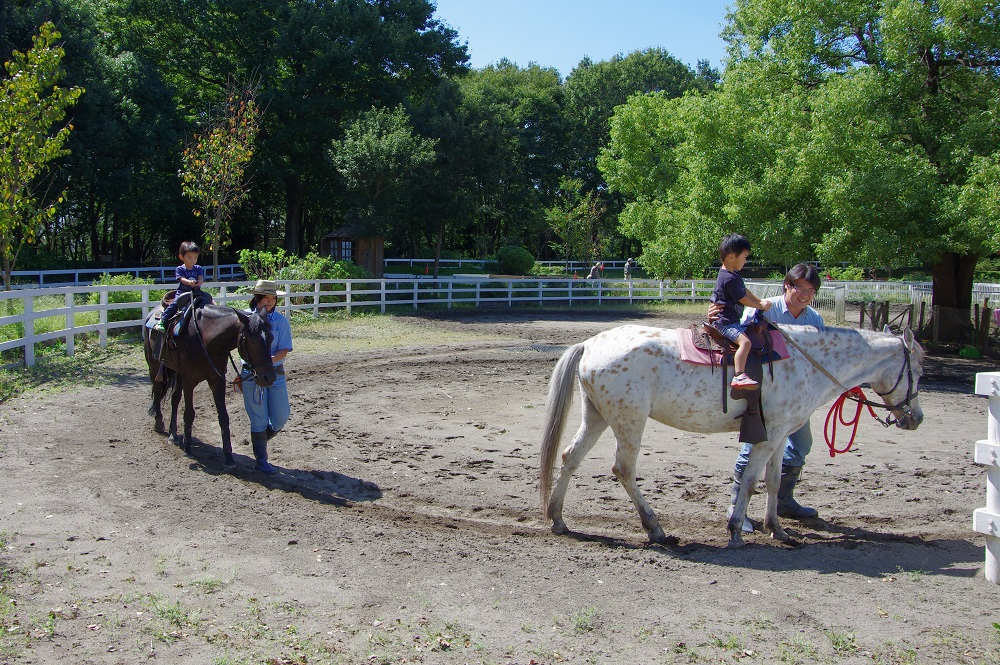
(910, 420)
(265, 378)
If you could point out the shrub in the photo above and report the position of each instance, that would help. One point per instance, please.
(848, 274)
(514, 260)
(258, 264)
(128, 314)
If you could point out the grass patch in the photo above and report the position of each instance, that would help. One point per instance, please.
(370, 332)
(91, 366)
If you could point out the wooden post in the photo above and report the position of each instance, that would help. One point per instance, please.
(987, 520)
(861, 324)
(975, 326)
(923, 306)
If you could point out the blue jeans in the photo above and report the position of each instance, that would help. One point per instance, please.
(797, 446)
(266, 407)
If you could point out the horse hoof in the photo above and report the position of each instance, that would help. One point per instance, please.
(735, 542)
(159, 429)
(658, 537)
(559, 528)
(229, 466)
(779, 534)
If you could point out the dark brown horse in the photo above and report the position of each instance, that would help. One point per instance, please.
(203, 348)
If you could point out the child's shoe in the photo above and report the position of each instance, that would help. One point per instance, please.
(160, 327)
(743, 381)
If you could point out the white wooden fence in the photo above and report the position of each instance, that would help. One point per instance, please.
(21, 329)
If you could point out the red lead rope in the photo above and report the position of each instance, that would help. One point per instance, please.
(836, 416)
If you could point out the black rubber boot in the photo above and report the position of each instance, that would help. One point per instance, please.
(787, 505)
(259, 441)
(737, 479)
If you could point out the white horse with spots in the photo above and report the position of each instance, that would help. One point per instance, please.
(632, 373)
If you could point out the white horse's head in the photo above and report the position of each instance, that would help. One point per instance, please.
(898, 384)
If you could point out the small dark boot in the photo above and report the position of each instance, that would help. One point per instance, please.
(787, 505)
(737, 479)
(259, 441)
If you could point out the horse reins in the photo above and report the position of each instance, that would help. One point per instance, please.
(857, 395)
(237, 382)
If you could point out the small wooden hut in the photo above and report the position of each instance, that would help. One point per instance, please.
(356, 246)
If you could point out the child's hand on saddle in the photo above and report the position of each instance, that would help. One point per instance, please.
(766, 305)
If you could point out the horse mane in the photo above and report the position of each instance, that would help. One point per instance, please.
(258, 324)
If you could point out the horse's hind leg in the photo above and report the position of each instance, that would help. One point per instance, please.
(629, 436)
(175, 401)
(188, 416)
(592, 425)
(155, 409)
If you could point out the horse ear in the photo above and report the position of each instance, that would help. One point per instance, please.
(908, 337)
(244, 319)
(887, 329)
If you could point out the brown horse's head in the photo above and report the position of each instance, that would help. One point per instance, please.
(255, 347)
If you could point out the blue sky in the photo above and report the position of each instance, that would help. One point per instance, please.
(559, 33)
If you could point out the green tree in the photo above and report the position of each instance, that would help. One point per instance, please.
(32, 135)
(850, 131)
(214, 163)
(518, 136)
(320, 65)
(575, 221)
(377, 155)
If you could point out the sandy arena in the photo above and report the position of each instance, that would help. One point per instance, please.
(404, 524)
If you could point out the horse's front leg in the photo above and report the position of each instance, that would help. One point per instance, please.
(188, 416)
(772, 480)
(219, 393)
(761, 456)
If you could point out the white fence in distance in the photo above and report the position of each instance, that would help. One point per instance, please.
(312, 297)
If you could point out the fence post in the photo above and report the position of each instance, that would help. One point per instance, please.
(29, 330)
(316, 300)
(450, 294)
(987, 520)
(102, 334)
(348, 294)
(383, 295)
(70, 324)
(415, 293)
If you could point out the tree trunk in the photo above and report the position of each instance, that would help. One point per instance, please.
(953, 276)
(293, 212)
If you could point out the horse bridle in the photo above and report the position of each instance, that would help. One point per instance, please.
(906, 409)
(241, 347)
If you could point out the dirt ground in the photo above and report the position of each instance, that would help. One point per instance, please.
(404, 525)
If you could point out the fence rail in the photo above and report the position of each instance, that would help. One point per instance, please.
(62, 313)
(41, 315)
(26, 279)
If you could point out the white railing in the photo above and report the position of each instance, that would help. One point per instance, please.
(21, 329)
(80, 276)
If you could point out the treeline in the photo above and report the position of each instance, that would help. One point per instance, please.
(372, 119)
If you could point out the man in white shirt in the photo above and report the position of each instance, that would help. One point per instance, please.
(794, 307)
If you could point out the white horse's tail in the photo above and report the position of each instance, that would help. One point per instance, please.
(559, 400)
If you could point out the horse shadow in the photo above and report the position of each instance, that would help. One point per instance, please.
(324, 487)
(823, 547)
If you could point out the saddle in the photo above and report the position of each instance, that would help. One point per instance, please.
(707, 337)
(177, 323)
(180, 320)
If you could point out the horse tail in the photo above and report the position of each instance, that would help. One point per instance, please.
(557, 407)
(169, 380)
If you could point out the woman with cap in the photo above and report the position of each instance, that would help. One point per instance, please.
(268, 407)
